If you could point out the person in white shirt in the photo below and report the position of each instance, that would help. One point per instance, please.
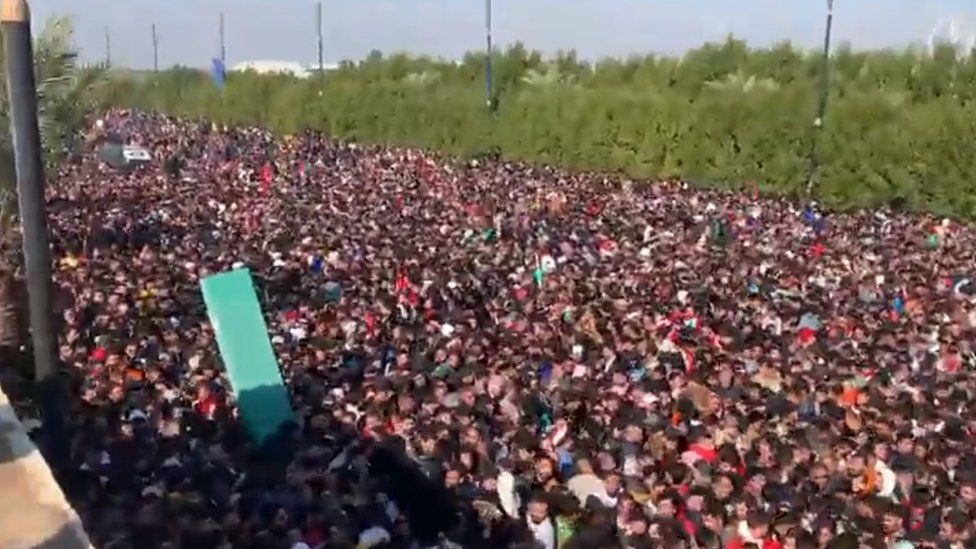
(585, 483)
(540, 523)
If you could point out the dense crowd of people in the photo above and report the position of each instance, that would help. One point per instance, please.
(485, 354)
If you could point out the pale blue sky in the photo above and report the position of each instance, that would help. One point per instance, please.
(285, 29)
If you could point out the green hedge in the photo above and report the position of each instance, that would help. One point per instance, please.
(901, 126)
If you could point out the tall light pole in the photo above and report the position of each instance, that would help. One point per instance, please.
(155, 43)
(818, 123)
(22, 95)
(318, 30)
(488, 97)
(223, 47)
(108, 48)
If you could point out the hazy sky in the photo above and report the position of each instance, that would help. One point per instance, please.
(285, 29)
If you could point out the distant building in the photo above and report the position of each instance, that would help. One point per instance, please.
(297, 70)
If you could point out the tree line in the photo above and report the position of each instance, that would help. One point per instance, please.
(900, 128)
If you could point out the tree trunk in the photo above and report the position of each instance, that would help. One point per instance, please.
(10, 329)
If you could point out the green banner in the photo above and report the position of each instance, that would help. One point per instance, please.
(242, 337)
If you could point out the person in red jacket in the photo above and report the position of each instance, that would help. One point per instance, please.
(207, 402)
(753, 531)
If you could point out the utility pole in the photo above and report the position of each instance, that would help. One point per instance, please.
(318, 13)
(818, 123)
(223, 48)
(22, 95)
(155, 42)
(108, 48)
(489, 100)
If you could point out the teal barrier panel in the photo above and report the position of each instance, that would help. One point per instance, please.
(242, 337)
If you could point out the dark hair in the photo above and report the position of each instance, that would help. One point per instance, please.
(758, 518)
(708, 539)
(847, 540)
(806, 540)
(677, 471)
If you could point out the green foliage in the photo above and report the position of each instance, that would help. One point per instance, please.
(66, 95)
(66, 92)
(899, 125)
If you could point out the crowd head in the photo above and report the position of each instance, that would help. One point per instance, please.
(486, 354)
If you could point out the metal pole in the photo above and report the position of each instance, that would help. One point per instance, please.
(818, 123)
(318, 11)
(22, 95)
(108, 48)
(488, 95)
(223, 49)
(155, 41)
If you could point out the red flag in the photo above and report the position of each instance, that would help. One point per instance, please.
(817, 250)
(266, 176)
(402, 283)
(370, 324)
(290, 316)
(951, 363)
(606, 245)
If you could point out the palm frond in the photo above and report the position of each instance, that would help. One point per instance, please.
(64, 97)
